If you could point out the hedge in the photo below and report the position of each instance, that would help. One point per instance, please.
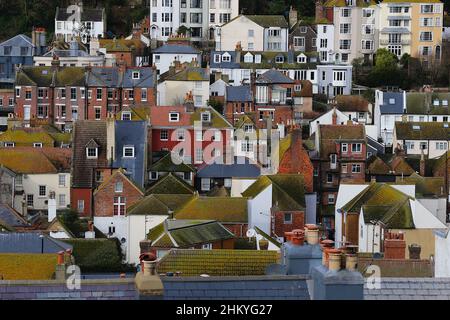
(27, 266)
(98, 255)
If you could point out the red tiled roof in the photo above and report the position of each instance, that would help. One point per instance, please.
(159, 116)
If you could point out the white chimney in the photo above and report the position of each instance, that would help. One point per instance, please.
(51, 207)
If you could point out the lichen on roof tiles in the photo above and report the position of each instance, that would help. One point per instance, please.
(170, 184)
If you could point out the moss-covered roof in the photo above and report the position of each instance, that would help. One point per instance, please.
(27, 266)
(217, 262)
(170, 184)
(188, 74)
(159, 204)
(425, 186)
(378, 167)
(382, 202)
(137, 113)
(288, 190)
(352, 104)
(217, 120)
(412, 1)
(222, 209)
(26, 138)
(24, 161)
(428, 103)
(422, 130)
(50, 77)
(187, 233)
(165, 164)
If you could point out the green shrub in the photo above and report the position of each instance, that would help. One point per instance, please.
(98, 255)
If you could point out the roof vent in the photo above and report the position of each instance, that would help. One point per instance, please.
(445, 125)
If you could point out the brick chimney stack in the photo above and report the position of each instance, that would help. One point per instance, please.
(422, 165)
(334, 117)
(319, 10)
(293, 17)
(394, 246)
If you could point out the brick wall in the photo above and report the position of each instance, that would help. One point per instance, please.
(104, 198)
(280, 227)
(397, 268)
(117, 289)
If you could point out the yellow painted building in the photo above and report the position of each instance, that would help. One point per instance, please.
(413, 27)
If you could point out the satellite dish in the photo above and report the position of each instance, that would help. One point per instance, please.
(251, 233)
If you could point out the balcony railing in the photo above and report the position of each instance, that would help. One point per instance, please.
(400, 42)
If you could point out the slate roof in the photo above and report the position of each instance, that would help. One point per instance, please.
(87, 14)
(11, 217)
(397, 103)
(176, 48)
(188, 233)
(170, 184)
(222, 209)
(159, 204)
(30, 243)
(267, 288)
(241, 167)
(217, 262)
(382, 202)
(409, 289)
(165, 164)
(85, 131)
(239, 94)
(268, 21)
(422, 130)
(274, 77)
(288, 190)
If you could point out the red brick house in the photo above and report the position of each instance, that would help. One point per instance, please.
(173, 130)
(340, 157)
(239, 101)
(61, 95)
(114, 195)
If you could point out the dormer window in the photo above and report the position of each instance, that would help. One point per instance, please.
(298, 88)
(9, 144)
(279, 59)
(128, 152)
(136, 75)
(258, 58)
(248, 58)
(217, 58)
(92, 153)
(126, 116)
(37, 145)
(445, 103)
(391, 101)
(436, 103)
(301, 58)
(226, 57)
(174, 117)
(206, 117)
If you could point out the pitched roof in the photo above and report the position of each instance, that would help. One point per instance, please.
(217, 262)
(268, 21)
(392, 103)
(241, 167)
(30, 243)
(159, 204)
(222, 209)
(217, 120)
(159, 117)
(84, 132)
(382, 202)
(170, 184)
(188, 74)
(239, 94)
(331, 134)
(119, 172)
(352, 104)
(176, 48)
(187, 233)
(395, 165)
(378, 166)
(288, 190)
(422, 130)
(11, 217)
(26, 161)
(165, 164)
(50, 77)
(26, 137)
(426, 186)
(27, 266)
(274, 77)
